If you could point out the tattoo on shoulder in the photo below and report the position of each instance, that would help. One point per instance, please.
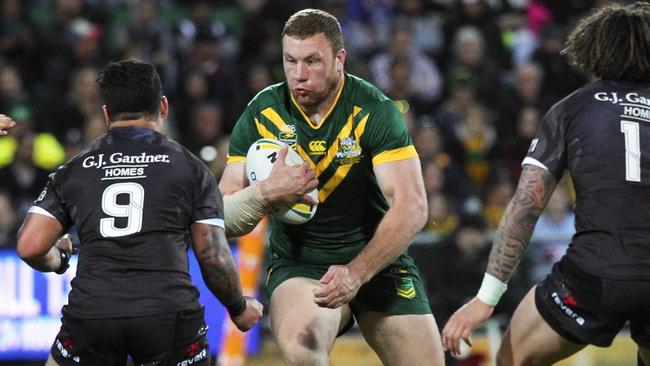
(517, 224)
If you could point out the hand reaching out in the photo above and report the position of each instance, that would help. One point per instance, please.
(462, 323)
(250, 316)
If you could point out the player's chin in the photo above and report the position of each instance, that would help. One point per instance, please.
(305, 98)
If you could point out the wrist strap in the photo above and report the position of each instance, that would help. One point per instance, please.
(237, 308)
(65, 262)
(491, 290)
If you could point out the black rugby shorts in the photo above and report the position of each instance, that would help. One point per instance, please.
(587, 309)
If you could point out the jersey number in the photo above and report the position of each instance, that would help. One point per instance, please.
(132, 211)
(632, 151)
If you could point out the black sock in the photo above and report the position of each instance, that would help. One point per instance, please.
(639, 362)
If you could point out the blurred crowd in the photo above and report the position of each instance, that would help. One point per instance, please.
(473, 79)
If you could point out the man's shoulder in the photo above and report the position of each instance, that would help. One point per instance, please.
(362, 93)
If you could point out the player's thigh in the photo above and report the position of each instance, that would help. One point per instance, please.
(296, 320)
(529, 340)
(402, 340)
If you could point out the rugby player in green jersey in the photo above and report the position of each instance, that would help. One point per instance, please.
(349, 260)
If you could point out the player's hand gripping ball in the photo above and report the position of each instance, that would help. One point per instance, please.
(259, 162)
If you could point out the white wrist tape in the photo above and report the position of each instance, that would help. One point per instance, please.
(243, 210)
(491, 290)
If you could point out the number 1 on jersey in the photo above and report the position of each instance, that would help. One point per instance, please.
(632, 151)
(132, 211)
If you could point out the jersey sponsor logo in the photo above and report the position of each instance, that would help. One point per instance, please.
(98, 161)
(404, 288)
(632, 99)
(124, 172)
(565, 305)
(317, 147)
(642, 113)
(65, 349)
(195, 359)
(349, 151)
(288, 138)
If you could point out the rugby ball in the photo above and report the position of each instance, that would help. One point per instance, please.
(259, 161)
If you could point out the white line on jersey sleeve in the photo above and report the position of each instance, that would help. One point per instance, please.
(214, 222)
(532, 161)
(40, 211)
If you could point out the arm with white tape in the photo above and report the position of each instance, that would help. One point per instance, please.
(245, 205)
(510, 242)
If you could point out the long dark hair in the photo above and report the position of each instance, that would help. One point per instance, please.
(613, 43)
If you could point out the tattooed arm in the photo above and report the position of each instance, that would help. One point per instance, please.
(516, 227)
(220, 274)
(511, 239)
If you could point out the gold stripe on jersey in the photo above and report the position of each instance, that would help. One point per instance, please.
(263, 131)
(235, 159)
(361, 127)
(334, 148)
(334, 182)
(343, 170)
(395, 155)
(282, 126)
(309, 122)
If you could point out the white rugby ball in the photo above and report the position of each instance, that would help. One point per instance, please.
(259, 162)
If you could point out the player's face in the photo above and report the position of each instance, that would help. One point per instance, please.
(311, 67)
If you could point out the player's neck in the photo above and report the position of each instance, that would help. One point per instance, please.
(141, 122)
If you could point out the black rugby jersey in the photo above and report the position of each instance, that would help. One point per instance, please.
(132, 194)
(601, 133)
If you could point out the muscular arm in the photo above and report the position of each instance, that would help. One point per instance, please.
(216, 262)
(36, 239)
(402, 185)
(516, 227)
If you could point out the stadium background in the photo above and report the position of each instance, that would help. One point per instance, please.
(472, 77)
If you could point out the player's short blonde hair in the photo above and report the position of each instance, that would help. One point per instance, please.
(309, 22)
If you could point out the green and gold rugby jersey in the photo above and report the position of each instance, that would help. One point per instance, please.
(362, 129)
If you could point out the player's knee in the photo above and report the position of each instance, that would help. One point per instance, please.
(308, 348)
(298, 354)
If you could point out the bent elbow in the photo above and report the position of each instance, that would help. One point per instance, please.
(27, 250)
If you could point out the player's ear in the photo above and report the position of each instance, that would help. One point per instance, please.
(164, 107)
(340, 59)
(107, 119)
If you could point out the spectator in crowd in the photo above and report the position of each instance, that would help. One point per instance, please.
(424, 77)
(22, 179)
